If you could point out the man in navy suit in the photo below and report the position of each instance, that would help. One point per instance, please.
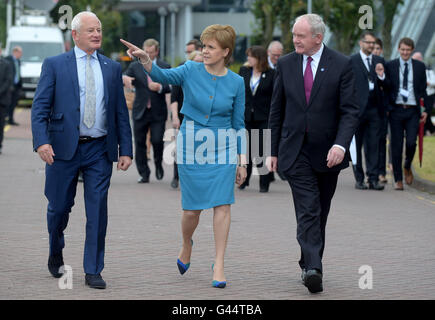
(80, 122)
(369, 87)
(313, 116)
(407, 79)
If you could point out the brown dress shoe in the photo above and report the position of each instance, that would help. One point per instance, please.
(409, 177)
(398, 185)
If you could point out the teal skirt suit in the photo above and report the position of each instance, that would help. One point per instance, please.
(212, 133)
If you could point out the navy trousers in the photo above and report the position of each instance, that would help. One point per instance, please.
(60, 189)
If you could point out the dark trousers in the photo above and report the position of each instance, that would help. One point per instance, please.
(428, 126)
(367, 136)
(312, 194)
(2, 122)
(15, 95)
(140, 130)
(403, 122)
(383, 146)
(256, 149)
(60, 189)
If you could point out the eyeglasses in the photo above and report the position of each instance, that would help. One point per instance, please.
(369, 42)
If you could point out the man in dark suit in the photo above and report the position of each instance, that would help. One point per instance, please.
(6, 81)
(80, 123)
(313, 116)
(14, 60)
(407, 79)
(150, 111)
(369, 87)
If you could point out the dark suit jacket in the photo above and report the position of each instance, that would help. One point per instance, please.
(5, 82)
(419, 80)
(257, 107)
(11, 61)
(159, 109)
(56, 107)
(362, 84)
(331, 116)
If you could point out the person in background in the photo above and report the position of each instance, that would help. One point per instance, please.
(6, 81)
(430, 95)
(274, 51)
(149, 112)
(14, 60)
(407, 86)
(258, 78)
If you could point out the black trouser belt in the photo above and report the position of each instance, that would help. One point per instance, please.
(84, 139)
(405, 106)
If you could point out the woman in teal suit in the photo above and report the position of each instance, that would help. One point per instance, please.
(211, 141)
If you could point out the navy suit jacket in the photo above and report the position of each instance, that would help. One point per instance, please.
(419, 80)
(330, 117)
(56, 108)
(362, 82)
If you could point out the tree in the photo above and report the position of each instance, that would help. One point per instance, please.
(265, 14)
(111, 20)
(390, 8)
(342, 18)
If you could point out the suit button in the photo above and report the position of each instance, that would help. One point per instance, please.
(252, 110)
(214, 78)
(206, 117)
(211, 97)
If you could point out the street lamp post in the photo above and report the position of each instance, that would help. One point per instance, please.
(310, 6)
(173, 9)
(162, 13)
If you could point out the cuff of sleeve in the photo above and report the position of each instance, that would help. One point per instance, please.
(338, 146)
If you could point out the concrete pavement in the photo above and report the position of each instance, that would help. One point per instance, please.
(390, 231)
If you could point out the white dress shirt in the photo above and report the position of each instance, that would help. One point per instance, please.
(99, 128)
(411, 97)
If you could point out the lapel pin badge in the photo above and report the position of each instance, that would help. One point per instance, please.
(322, 69)
(264, 76)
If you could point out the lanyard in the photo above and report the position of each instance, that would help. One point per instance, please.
(254, 85)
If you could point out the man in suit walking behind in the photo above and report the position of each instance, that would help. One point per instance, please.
(313, 117)
(80, 123)
(5, 94)
(369, 86)
(14, 60)
(150, 111)
(407, 86)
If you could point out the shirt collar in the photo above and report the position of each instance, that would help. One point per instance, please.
(316, 57)
(80, 53)
(402, 62)
(364, 56)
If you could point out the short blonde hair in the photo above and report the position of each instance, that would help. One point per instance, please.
(150, 43)
(193, 55)
(224, 35)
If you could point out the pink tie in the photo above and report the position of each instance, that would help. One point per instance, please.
(308, 79)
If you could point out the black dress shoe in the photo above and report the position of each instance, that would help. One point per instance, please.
(264, 189)
(143, 180)
(304, 273)
(375, 186)
(360, 186)
(159, 172)
(95, 281)
(174, 183)
(313, 281)
(54, 264)
(244, 185)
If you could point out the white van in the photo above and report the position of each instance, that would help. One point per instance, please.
(38, 43)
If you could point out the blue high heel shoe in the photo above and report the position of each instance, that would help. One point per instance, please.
(218, 284)
(181, 266)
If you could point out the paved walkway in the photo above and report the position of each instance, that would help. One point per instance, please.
(390, 231)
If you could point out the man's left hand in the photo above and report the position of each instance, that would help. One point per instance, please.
(335, 157)
(124, 162)
(423, 117)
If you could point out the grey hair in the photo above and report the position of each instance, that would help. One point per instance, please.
(76, 21)
(316, 23)
(275, 43)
